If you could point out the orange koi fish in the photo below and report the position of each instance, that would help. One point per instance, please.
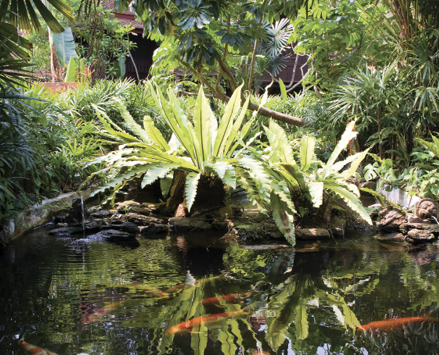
(227, 298)
(176, 288)
(35, 350)
(151, 290)
(97, 316)
(260, 352)
(394, 324)
(197, 321)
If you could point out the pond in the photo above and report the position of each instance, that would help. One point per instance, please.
(74, 296)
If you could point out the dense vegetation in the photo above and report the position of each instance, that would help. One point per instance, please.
(372, 86)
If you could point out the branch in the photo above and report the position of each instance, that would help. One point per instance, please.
(226, 70)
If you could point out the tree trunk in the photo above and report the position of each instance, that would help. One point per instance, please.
(176, 193)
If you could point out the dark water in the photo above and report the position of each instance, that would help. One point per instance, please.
(76, 297)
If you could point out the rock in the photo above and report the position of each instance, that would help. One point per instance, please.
(133, 207)
(75, 213)
(226, 212)
(312, 233)
(112, 235)
(153, 229)
(103, 214)
(138, 219)
(91, 226)
(391, 221)
(70, 230)
(125, 226)
(390, 237)
(60, 219)
(416, 236)
(432, 228)
(367, 185)
(39, 214)
(426, 208)
(414, 219)
(187, 224)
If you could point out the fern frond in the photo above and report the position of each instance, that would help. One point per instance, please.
(316, 192)
(191, 188)
(283, 220)
(351, 200)
(156, 172)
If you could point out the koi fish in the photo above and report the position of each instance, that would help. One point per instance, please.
(97, 316)
(394, 324)
(260, 352)
(176, 288)
(227, 298)
(151, 290)
(35, 350)
(197, 321)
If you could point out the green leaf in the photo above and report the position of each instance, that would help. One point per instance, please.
(347, 136)
(350, 318)
(165, 185)
(351, 200)
(283, 90)
(154, 134)
(129, 120)
(220, 167)
(158, 171)
(191, 188)
(279, 143)
(355, 164)
(226, 122)
(65, 45)
(202, 125)
(307, 145)
(316, 192)
(229, 177)
(71, 74)
(301, 320)
(282, 219)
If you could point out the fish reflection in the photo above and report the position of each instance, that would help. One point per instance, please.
(98, 315)
(189, 325)
(35, 350)
(394, 324)
(155, 292)
(228, 298)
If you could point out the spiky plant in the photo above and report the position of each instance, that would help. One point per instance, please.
(199, 147)
(309, 178)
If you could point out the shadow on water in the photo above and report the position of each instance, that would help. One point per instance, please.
(186, 294)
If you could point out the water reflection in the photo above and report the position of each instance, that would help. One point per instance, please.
(179, 296)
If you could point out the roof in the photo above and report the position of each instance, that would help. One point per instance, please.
(125, 18)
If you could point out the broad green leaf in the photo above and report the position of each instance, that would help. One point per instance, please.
(355, 164)
(65, 45)
(301, 320)
(316, 192)
(154, 134)
(72, 73)
(283, 220)
(279, 143)
(350, 318)
(202, 126)
(191, 188)
(351, 200)
(339, 315)
(226, 122)
(220, 167)
(347, 136)
(229, 177)
(281, 190)
(165, 185)
(283, 90)
(307, 145)
(159, 171)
